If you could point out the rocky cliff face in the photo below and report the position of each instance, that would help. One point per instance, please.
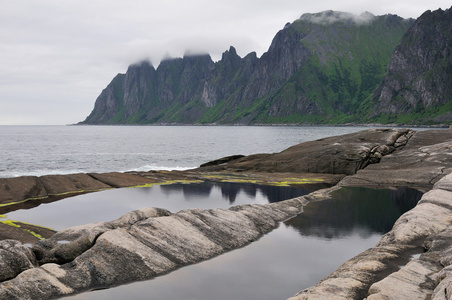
(320, 68)
(419, 77)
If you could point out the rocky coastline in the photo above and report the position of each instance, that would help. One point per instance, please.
(150, 242)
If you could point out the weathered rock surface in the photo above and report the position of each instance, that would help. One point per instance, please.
(344, 154)
(24, 232)
(31, 187)
(15, 259)
(425, 159)
(138, 246)
(18, 189)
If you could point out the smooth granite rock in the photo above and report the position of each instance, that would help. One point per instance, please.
(138, 246)
(59, 184)
(30, 191)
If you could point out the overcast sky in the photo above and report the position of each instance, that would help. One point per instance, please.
(56, 56)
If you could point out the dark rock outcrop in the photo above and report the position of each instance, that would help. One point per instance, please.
(221, 160)
(376, 157)
(23, 232)
(344, 154)
(20, 189)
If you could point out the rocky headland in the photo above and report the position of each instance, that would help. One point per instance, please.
(325, 68)
(412, 261)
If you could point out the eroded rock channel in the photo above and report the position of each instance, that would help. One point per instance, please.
(150, 242)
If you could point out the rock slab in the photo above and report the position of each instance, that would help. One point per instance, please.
(140, 245)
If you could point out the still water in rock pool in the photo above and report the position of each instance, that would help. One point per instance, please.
(294, 256)
(111, 204)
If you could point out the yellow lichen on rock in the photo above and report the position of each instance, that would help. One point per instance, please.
(13, 223)
(166, 183)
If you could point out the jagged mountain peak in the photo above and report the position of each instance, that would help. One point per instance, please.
(145, 64)
(232, 52)
(195, 54)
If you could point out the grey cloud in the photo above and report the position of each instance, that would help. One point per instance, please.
(329, 17)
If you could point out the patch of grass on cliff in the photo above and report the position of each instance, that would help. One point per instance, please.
(170, 111)
(430, 116)
(214, 114)
(185, 113)
(297, 119)
(119, 116)
(138, 118)
(447, 108)
(259, 108)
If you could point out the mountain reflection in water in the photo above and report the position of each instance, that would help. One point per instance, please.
(111, 204)
(351, 209)
(231, 190)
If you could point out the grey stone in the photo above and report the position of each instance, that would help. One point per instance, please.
(15, 258)
(426, 158)
(138, 246)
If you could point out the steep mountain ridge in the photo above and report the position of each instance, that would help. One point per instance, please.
(419, 78)
(349, 60)
(319, 69)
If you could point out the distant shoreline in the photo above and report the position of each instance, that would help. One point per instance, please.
(276, 125)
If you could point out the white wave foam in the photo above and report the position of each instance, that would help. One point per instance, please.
(160, 168)
(41, 172)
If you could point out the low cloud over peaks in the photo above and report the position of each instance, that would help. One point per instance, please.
(329, 17)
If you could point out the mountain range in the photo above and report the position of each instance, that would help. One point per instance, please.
(324, 68)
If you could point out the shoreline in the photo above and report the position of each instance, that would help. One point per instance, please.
(378, 125)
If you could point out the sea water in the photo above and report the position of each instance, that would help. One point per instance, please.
(42, 150)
